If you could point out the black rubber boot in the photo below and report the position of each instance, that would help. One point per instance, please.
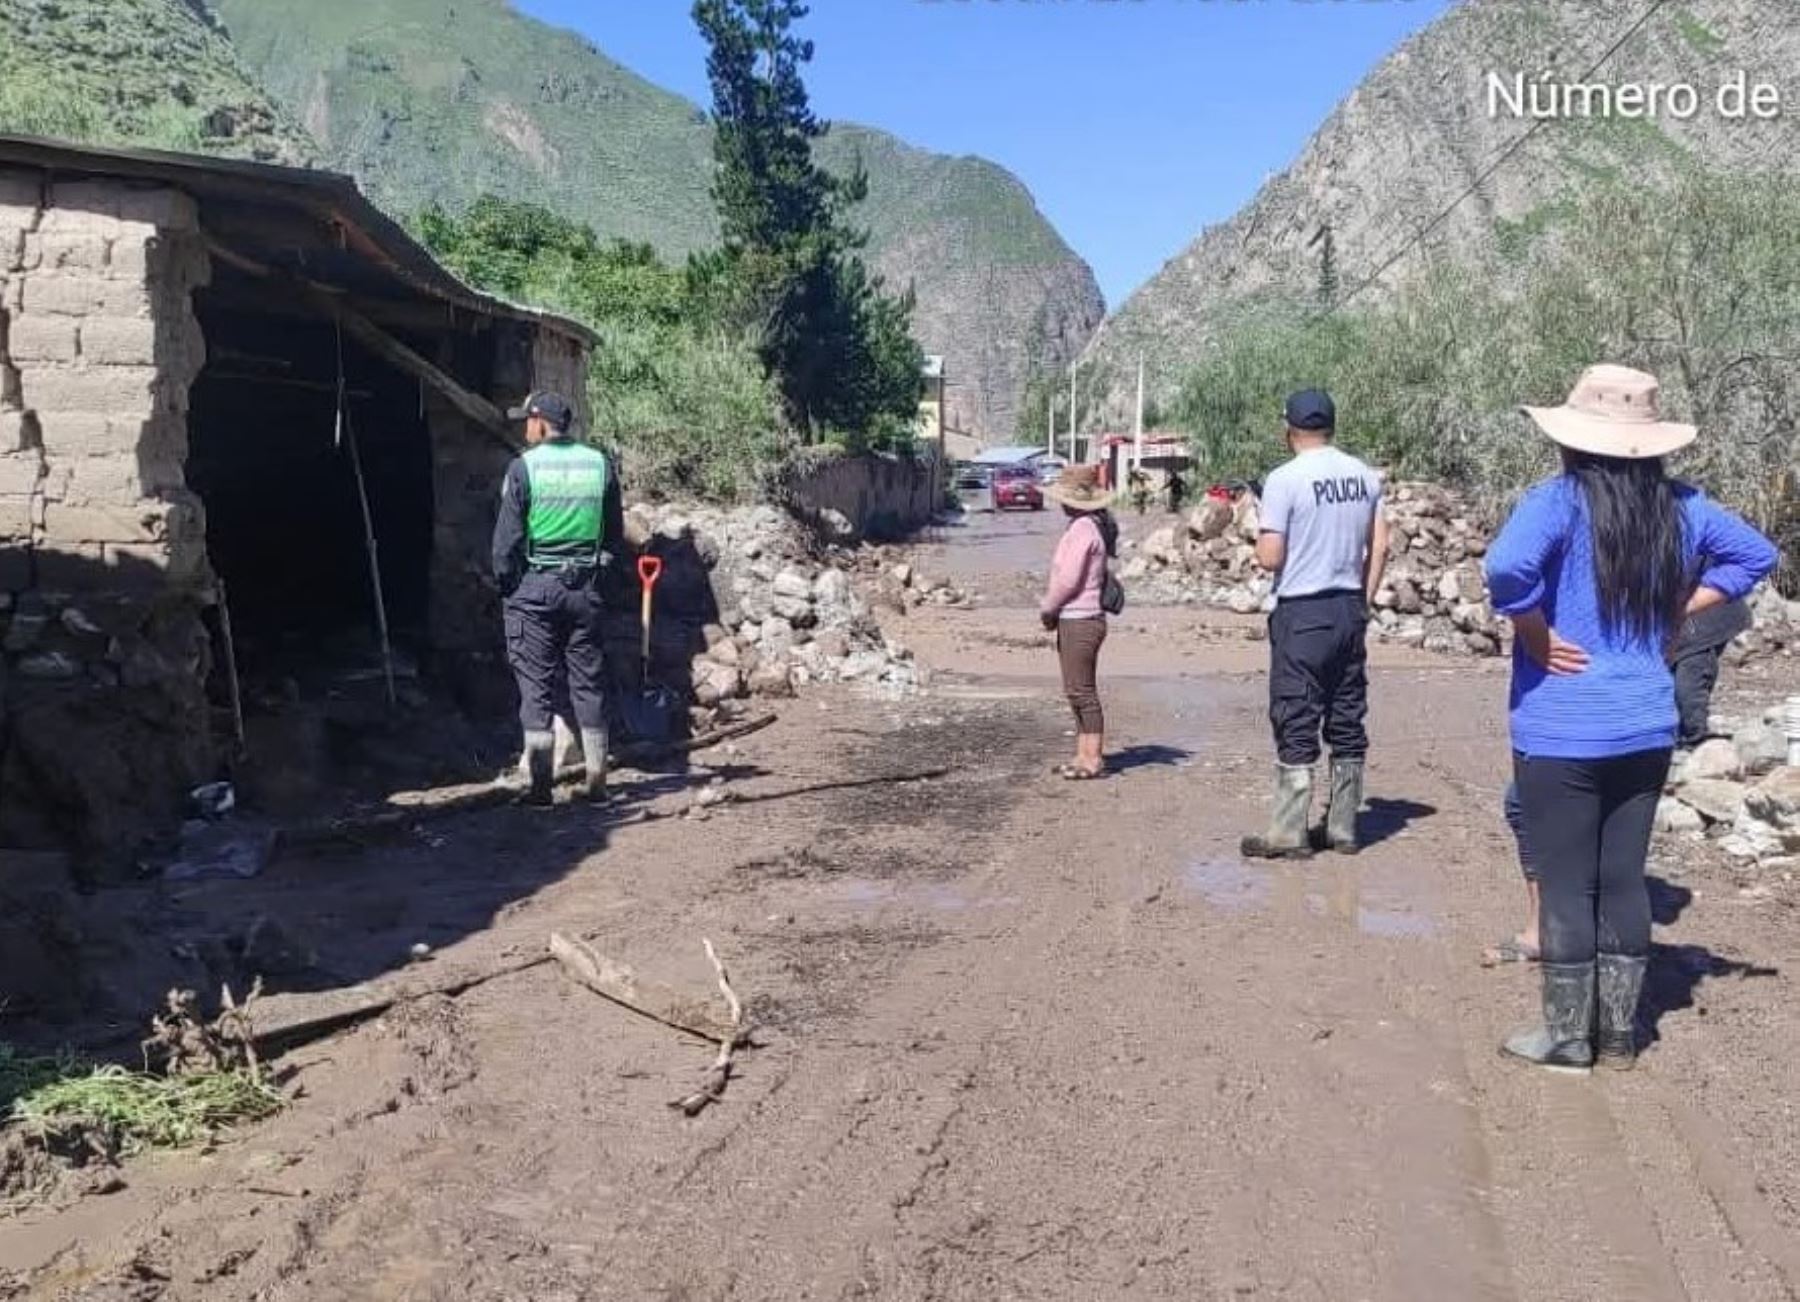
(1288, 836)
(1619, 981)
(1346, 803)
(540, 766)
(1565, 1041)
(593, 758)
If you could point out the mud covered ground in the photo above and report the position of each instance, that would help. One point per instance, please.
(1020, 1038)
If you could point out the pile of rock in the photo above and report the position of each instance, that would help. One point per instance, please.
(773, 605)
(1741, 791)
(1434, 595)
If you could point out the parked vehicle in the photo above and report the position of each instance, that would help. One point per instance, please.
(971, 478)
(1016, 488)
(1050, 468)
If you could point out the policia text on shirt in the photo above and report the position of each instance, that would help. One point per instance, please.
(559, 511)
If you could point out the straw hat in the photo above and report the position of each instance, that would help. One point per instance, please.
(1613, 412)
(1078, 488)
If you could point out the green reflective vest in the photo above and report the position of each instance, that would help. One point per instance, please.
(567, 482)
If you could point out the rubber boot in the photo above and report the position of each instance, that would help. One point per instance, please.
(1619, 981)
(540, 758)
(1565, 1041)
(1288, 836)
(593, 758)
(1346, 801)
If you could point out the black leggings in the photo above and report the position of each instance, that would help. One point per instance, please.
(1588, 823)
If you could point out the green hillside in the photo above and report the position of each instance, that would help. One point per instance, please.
(441, 100)
(151, 72)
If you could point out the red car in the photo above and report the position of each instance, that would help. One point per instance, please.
(1016, 488)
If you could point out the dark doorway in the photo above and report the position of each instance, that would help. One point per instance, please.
(283, 520)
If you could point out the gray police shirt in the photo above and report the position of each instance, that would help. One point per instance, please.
(1323, 502)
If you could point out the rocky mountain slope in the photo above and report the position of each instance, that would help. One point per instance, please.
(1418, 133)
(150, 72)
(441, 100)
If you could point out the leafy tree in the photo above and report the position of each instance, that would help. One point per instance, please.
(837, 345)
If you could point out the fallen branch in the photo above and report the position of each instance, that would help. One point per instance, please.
(712, 1085)
(613, 980)
(284, 1021)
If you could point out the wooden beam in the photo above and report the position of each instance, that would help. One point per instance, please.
(378, 341)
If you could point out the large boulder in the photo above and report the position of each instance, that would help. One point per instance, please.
(1211, 519)
(1716, 800)
(1712, 759)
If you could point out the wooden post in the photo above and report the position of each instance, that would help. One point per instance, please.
(1137, 424)
(1074, 423)
(346, 432)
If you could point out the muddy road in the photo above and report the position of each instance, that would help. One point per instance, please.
(1020, 1038)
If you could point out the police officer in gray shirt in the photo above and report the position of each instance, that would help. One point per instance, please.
(1324, 539)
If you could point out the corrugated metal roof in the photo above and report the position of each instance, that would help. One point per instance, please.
(330, 196)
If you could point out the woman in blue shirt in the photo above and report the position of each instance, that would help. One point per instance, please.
(1598, 568)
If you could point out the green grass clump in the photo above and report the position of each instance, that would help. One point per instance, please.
(67, 1104)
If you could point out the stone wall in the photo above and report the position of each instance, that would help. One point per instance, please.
(102, 547)
(877, 497)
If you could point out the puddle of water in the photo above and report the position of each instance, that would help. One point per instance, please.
(1394, 923)
(1229, 884)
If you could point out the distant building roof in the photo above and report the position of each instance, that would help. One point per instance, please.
(934, 367)
(1013, 456)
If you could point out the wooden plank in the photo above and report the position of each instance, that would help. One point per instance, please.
(286, 1020)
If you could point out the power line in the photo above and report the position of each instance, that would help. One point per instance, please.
(1656, 7)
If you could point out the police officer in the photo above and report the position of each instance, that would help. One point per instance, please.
(1324, 538)
(559, 512)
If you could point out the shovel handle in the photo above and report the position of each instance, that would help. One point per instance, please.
(649, 570)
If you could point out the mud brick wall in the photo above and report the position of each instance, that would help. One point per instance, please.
(103, 656)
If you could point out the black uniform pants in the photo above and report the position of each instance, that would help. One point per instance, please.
(1588, 823)
(553, 629)
(1319, 676)
(1696, 674)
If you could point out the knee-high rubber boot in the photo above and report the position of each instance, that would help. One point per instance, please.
(540, 758)
(1619, 981)
(1346, 801)
(1288, 836)
(1565, 1041)
(593, 758)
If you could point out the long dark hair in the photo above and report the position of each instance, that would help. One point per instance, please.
(1640, 542)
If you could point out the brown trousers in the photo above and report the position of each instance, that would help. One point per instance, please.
(1078, 647)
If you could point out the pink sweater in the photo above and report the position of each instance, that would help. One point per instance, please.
(1076, 572)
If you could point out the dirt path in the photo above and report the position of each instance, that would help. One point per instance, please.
(1024, 1039)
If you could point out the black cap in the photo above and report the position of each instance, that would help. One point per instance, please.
(553, 407)
(1311, 409)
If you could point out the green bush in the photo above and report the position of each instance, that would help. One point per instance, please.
(1700, 285)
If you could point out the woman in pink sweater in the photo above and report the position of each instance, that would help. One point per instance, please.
(1072, 610)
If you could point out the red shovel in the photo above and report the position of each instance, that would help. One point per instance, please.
(650, 715)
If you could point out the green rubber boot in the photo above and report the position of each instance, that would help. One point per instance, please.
(1619, 981)
(1288, 836)
(1565, 1040)
(1346, 802)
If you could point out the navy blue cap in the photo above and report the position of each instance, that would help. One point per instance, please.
(553, 407)
(1311, 409)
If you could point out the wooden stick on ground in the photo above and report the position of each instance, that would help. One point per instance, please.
(613, 980)
(712, 1086)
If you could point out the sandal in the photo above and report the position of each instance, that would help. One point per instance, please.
(1075, 773)
(1510, 950)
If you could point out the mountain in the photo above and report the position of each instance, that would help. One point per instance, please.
(440, 100)
(1417, 134)
(151, 72)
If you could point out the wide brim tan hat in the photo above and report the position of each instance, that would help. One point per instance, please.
(1614, 411)
(1078, 488)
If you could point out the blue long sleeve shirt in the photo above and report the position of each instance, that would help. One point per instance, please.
(1625, 700)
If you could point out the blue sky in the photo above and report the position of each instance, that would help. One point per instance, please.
(1135, 122)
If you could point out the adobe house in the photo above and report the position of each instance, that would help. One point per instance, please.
(178, 337)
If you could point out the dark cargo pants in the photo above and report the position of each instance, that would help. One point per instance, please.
(1319, 676)
(553, 629)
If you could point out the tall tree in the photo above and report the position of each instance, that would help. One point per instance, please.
(837, 344)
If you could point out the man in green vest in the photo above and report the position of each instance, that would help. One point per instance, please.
(559, 514)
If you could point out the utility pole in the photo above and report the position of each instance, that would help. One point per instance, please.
(1050, 440)
(1073, 424)
(1137, 424)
